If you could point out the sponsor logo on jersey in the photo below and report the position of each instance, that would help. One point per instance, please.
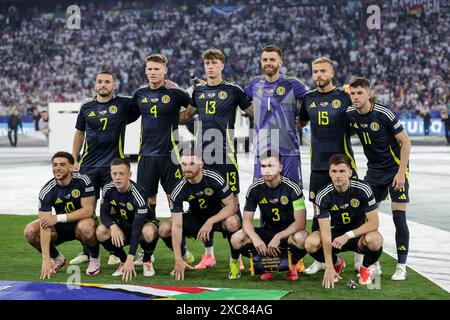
(222, 95)
(130, 206)
(76, 193)
(202, 96)
(58, 201)
(113, 202)
(263, 201)
(354, 203)
(336, 104)
(144, 100)
(374, 126)
(284, 200)
(259, 92)
(281, 91)
(92, 114)
(312, 105)
(165, 99)
(355, 125)
(191, 197)
(334, 208)
(209, 191)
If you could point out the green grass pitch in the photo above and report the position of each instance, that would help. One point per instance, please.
(19, 261)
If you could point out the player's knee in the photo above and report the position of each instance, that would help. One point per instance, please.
(237, 239)
(312, 243)
(149, 232)
(232, 224)
(86, 228)
(373, 240)
(299, 239)
(102, 233)
(165, 229)
(31, 233)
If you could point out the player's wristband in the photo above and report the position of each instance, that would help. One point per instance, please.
(350, 234)
(61, 218)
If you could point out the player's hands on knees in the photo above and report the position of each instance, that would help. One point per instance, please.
(273, 247)
(128, 269)
(47, 222)
(179, 267)
(47, 269)
(330, 277)
(205, 231)
(339, 242)
(399, 181)
(260, 247)
(117, 236)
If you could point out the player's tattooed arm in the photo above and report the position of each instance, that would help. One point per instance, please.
(187, 114)
(405, 150)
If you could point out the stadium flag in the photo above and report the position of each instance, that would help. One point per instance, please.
(227, 11)
(19, 290)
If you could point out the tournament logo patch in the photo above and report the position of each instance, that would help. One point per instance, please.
(374, 126)
(336, 103)
(211, 95)
(209, 191)
(165, 99)
(103, 112)
(364, 125)
(324, 103)
(75, 193)
(354, 203)
(312, 195)
(130, 206)
(284, 200)
(154, 100)
(112, 109)
(281, 91)
(222, 95)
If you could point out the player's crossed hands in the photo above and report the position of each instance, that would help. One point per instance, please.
(260, 247)
(273, 247)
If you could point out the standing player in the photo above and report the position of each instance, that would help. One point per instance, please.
(212, 207)
(101, 126)
(282, 204)
(387, 147)
(216, 102)
(324, 107)
(275, 99)
(72, 196)
(348, 221)
(126, 219)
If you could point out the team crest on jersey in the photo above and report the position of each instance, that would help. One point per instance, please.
(281, 91)
(130, 206)
(259, 92)
(312, 195)
(374, 126)
(284, 200)
(165, 99)
(76, 193)
(354, 203)
(209, 191)
(324, 103)
(336, 103)
(222, 95)
(112, 109)
(154, 100)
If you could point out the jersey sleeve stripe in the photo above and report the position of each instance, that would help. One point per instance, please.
(363, 187)
(214, 175)
(323, 193)
(106, 187)
(255, 183)
(385, 111)
(47, 189)
(178, 188)
(291, 184)
(140, 200)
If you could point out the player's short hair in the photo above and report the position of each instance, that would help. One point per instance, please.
(269, 154)
(360, 82)
(339, 158)
(64, 154)
(212, 54)
(120, 161)
(106, 72)
(323, 60)
(158, 58)
(272, 48)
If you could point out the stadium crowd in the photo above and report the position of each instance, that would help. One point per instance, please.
(44, 61)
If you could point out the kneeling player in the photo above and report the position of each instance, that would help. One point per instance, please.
(282, 206)
(353, 225)
(127, 219)
(212, 207)
(72, 196)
